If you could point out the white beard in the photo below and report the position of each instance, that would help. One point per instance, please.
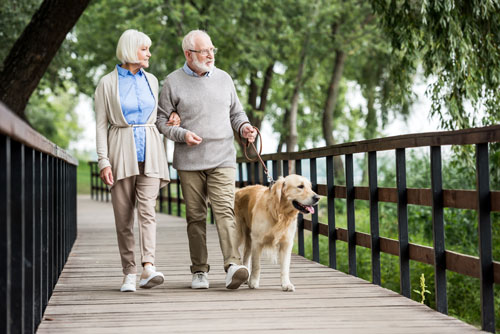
(201, 66)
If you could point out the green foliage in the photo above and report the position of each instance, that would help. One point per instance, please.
(457, 44)
(83, 178)
(14, 16)
(251, 36)
(53, 115)
(461, 235)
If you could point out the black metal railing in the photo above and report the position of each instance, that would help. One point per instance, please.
(169, 200)
(37, 221)
(483, 200)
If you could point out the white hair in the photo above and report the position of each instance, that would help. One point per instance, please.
(188, 41)
(128, 45)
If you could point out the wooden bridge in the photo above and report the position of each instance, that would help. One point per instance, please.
(62, 270)
(87, 299)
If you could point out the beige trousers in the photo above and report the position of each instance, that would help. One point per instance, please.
(125, 194)
(217, 185)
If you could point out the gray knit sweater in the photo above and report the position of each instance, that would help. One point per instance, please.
(207, 106)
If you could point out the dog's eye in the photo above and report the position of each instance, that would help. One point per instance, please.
(301, 186)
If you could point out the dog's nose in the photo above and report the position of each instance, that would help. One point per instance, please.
(316, 198)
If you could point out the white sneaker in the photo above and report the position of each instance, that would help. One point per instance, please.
(150, 278)
(200, 281)
(236, 275)
(128, 283)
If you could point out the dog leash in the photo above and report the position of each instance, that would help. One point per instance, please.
(245, 146)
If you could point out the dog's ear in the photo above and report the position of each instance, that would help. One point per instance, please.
(277, 189)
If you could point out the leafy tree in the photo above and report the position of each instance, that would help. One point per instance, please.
(53, 114)
(456, 42)
(15, 15)
(33, 51)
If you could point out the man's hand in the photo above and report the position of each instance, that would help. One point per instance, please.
(174, 119)
(192, 139)
(249, 133)
(107, 176)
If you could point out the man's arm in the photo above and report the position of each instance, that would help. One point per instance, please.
(165, 107)
(239, 118)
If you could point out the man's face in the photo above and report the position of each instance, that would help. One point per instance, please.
(204, 60)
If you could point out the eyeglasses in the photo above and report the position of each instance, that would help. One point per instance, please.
(205, 52)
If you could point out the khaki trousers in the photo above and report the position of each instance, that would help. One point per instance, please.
(125, 194)
(217, 185)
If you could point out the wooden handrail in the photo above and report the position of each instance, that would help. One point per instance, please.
(442, 138)
(17, 129)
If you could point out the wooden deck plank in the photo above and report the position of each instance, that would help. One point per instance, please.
(87, 297)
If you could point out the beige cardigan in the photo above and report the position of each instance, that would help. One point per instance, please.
(115, 137)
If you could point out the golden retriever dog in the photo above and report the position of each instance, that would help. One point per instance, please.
(266, 218)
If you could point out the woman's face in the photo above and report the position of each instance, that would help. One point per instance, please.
(143, 55)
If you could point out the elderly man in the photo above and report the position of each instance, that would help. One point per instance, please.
(206, 101)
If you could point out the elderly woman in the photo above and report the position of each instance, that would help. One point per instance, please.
(131, 155)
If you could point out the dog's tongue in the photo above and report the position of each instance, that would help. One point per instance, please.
(310, 208)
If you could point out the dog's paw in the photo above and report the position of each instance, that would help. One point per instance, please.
(253, 284)
(288, 287)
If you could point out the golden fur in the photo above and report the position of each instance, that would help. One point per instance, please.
(266, 218)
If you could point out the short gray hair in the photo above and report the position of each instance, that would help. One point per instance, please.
(128, 45)
(188, 41)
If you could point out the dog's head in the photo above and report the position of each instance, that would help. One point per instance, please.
(297, 191)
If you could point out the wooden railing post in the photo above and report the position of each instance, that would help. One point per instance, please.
(169, 193)
(275, 174)
(285, 168)
(29, 248)
(485, 245)
(17, 237)
(438, 231)
(351, 225)
(300, 218)
(332, 233)
(374, 221)
(404, 250)
(315, 219)
(5, 227)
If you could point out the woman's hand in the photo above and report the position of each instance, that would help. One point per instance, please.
(174, 119)
(192, 138)
(107, 176)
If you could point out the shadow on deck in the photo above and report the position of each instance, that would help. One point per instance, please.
(87, 297)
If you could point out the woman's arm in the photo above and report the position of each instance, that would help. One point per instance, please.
(102, 124)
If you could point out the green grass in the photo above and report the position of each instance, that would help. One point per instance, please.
(83, 178)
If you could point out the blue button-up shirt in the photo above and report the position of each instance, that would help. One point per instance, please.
(137, 103)
(193, 73)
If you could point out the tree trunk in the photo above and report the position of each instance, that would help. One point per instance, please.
(284, 133)
(291, 142)
(331, 101)
(268, 77)
(33, 51)
(253, 117)
(279, 149)
(370, 128)
(252, 93)
(332, 95)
